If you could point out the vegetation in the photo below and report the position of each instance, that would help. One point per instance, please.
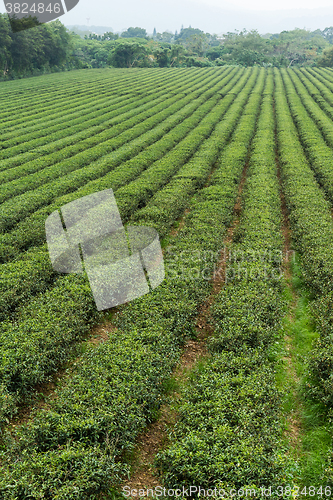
(33, 51)
(221, 148)
(231, 403)
(51, 47)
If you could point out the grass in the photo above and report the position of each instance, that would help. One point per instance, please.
(309, 445)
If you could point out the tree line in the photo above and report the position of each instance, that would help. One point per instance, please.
(52, 47)
(34, 51)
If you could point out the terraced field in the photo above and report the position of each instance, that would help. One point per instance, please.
(234, 169)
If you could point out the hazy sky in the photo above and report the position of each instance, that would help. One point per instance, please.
(213, 16)
(268, 5)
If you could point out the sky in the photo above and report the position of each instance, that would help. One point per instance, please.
(213, 16)
(268, 5)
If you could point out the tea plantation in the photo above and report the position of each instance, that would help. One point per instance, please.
(194, 153)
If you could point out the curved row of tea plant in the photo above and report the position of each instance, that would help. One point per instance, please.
(66, 106)
(23, 94)
(113, 124)
(55, 144)
(59, 146)
(312, 225)
(34, 372)
(40, 320)
(317, 89)
(138, 192)
(13, 108)
(31, 230)
(319, 154)
(228, 431)
(24, 288)
(57, 141)
(22, 91)
(126, 113)
(22, 115)
(87, 107)
(324, 74)
(116, 388)
(319, 112)
(149, 87)
(311, 222)
(73, 172)
(319, 74)
(102, 120)
(18, 118)
(191, 177)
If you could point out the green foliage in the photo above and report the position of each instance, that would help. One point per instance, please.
(134, 33)
(161, 135)
(248, 48)
(70, 472)
(116, 388)
(143, 134)
(23, 24)
(315, 127)
(326, 59)
(128, 54)
(193, 174)
(50, 47)
(32, 51)
(22, 279)
(312, 223)
(313, 232)
(321, 356)
(178, 125)
(227, 427)
(165, 37)
(228, 434)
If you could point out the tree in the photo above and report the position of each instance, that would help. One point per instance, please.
(134, 33)
(59, 43)
(110, 36)
(194, 40)
(215, 53)
(247, 48)
(326, 60)
(177, 55)
(197, 44)
(188, 33)
(5, 44)
(128, 54)
(328, 34)
(24, 23)
(165, 37)
(162, 56)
